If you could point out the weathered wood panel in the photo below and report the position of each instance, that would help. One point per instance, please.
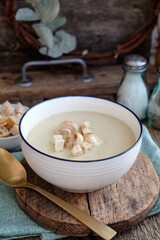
(49, 84)
(98, 26)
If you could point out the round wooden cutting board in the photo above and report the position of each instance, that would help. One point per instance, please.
(121, 205)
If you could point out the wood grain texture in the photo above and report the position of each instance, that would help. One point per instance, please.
(130, 194)
(49, 84)
(121, 205)
(98, 26)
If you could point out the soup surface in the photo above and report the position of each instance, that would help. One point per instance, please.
(116, 136)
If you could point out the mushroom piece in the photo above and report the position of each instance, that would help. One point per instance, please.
(72, 126)
(77, 138)
(68, 141)
(85, 128)
(85, 125)
(64, 132)
(91, 138)
(85, 131)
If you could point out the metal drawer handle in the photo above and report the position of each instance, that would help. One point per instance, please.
(26, 81)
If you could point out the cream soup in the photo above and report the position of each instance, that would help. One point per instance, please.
(115, 135)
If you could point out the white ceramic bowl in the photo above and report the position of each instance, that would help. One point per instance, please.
(79, 176)
(11, 143)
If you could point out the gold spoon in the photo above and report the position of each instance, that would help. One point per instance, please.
(13, 173)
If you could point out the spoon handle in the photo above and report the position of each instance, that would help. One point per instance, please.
(96, 226)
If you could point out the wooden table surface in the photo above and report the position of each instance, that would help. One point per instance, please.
(105, 84)
(148, 229)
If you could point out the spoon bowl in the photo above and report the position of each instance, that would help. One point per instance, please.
(11, 170)
(13, 173)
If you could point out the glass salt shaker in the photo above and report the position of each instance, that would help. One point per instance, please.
(154, 105)
(134, 91)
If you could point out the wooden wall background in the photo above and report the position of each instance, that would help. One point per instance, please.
(98, 25)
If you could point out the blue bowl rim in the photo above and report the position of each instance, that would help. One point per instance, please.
(81, 161)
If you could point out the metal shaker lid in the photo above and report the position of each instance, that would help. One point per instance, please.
(134, 63)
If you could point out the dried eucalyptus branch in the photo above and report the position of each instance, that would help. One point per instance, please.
(48, 19)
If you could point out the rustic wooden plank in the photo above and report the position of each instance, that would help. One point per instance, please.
(49, 84)
(123, 197)
(12, 61)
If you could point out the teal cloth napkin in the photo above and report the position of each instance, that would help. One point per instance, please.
(14, 223)
(151, 150)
